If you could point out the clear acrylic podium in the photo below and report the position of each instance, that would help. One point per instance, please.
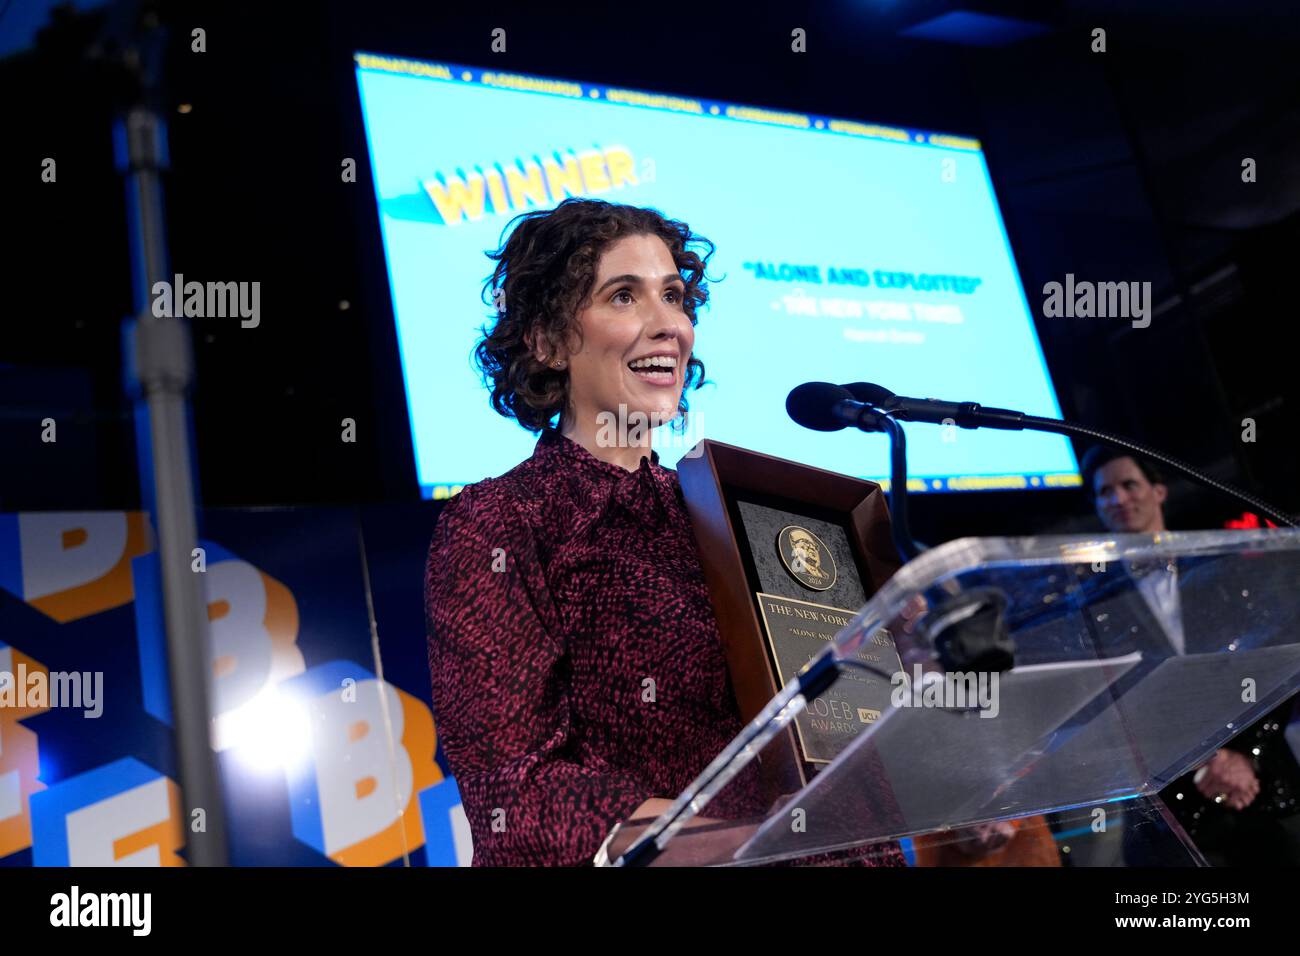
(1135, 658)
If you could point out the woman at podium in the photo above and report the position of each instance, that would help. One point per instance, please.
(578, 675)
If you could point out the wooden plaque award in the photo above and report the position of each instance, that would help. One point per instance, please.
(790, 554)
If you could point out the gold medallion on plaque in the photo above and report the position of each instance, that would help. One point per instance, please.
(806, 557)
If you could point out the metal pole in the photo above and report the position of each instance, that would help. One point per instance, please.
(159, 370)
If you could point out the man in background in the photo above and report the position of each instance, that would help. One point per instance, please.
(1246, 811)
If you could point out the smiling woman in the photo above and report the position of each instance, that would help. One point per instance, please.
(578, 674)
(588, 295)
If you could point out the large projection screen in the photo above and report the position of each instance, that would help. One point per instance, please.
(846, 252)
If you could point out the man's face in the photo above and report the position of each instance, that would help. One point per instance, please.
(1125, 500)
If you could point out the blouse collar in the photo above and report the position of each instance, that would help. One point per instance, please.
(552, 441)
(646, 492)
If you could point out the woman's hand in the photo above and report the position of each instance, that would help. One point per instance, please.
(649, 811)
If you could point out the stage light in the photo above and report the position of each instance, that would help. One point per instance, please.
(272, 732)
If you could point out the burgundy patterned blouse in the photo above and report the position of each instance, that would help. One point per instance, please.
(576, 664)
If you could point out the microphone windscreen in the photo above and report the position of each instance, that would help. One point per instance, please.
(811, 404)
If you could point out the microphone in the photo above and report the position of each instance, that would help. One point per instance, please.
(824, 407)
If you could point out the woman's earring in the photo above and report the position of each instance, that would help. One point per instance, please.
(557, 365)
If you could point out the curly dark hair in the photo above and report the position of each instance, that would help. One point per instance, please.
(545, 272)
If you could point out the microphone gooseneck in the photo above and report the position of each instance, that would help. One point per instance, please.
(1061, 427)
